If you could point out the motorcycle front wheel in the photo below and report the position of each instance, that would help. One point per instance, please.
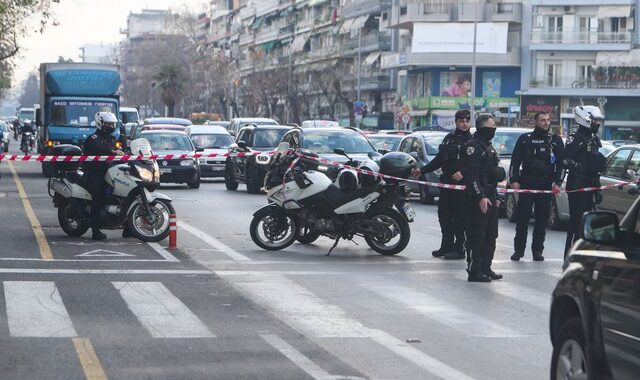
(70, 221)
(273, 230)
(154, 227)
(394, 235)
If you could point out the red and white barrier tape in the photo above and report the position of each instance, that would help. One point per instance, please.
(461, 187)
(126, 157)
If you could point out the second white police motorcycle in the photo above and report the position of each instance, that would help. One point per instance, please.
(131, 201)
(301, 197)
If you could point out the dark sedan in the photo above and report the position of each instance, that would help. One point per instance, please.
(164, 142)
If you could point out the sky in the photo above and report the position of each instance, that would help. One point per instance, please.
(84, 22)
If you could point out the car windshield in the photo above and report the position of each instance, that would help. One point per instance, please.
(320, 141)
(162, 141)
(432, 143)
(505, 141)
(211, 140)
(268, 138)
(385, 142)
(131, 117)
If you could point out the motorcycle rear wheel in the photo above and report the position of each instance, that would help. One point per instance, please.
(268, 233)
(70, 222)
(140, 226)
(399, 232)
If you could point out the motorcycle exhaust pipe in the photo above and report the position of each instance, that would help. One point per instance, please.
(60, 187)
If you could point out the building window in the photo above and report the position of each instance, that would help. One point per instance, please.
(552, 74)
(403, 11)
(505, 8)
(385, 16)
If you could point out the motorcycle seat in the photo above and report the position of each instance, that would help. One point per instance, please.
(77, 176)
(338, 197)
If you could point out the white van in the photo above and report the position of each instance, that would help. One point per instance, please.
(129, 117)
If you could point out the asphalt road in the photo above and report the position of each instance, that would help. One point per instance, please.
(220, 307)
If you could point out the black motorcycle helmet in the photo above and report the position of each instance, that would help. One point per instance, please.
(397, 164)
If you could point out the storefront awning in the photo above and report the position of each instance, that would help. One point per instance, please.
(268, 45)
(372, 58)
(346, 26)
(298, 43)
(358, 22)
(605, 11)
(618, 58)
(256, 23)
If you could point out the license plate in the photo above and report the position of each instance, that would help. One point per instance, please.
(165, 170)
(408, 211)
(218, 166)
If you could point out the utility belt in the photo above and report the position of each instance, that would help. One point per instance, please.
(536, 178)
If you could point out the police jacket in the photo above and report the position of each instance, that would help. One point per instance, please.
(449, 156)
(537, 158)
(481, 170)
(98, 145)
(583, 160)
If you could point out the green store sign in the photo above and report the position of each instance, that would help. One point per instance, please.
(458, 102)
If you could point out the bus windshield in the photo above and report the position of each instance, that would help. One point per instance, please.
(78, 113)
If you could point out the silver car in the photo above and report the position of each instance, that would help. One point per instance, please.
(623, 165)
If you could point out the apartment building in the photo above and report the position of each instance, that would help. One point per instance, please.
(583, 52)
(434, 58)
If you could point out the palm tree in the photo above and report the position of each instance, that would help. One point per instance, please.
(171, 79)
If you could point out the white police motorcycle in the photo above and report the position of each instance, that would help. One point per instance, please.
(301, 197)
(131, 201)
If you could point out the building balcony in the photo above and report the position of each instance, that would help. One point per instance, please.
(373, 81)
(246, 38)
(363, 7)
(580, 41)
(621, 83)
(247, 12)
(405, 15)
(264, 7)
(267, 35)
(407, 59)
(370, 43)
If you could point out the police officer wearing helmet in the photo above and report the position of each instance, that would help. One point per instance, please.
(585, 163)
(536, 164)
(451, 203)
(481, 174)
(101, 143)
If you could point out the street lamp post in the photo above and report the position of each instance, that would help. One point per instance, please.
(472, 106)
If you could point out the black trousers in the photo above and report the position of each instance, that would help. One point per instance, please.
(96, 186)
(541, 205)
(482, 232)
(579, 203)
(452, 218)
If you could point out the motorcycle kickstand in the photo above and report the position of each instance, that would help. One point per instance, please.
(334, 245)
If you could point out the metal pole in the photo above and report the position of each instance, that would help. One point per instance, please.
(359, 58)
(472, 106)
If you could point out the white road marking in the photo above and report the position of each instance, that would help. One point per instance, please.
(445, 313)
(101, 271)
(233, 254)
(297, 357)
(80, 260)
(35, 309)
(522, 293)
(504, 245)
(163, 252)
(105, 253)
(308, 314)
(160, 312)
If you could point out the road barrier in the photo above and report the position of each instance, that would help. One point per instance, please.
(173, 232)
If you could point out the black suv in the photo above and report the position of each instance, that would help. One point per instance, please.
(595, 309)
(251, 168)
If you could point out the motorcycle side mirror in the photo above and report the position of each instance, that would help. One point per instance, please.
(383, 151)
(242, 144)
(339, 151)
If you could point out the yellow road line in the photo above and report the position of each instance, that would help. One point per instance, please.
(45, 250)
(89, 360)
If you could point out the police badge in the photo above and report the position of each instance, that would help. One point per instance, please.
(569, 139)
(470, 150)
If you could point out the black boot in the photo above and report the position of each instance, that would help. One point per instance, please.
(493, 275)
(98, 235)
(537, 256)
(478, 277)
(440, 252)
(517, 256)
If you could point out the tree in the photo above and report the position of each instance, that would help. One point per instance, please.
(30, 88)
(13, 14)
(171, 80)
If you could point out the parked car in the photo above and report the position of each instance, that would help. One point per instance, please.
(319, 123)
(154, 127)
(425, 145)
(130, 118)
(619, 143)
(607, 147)
(223, 124)
(594, 318)
(323, 140)
(168, 120)
(165, 142)
(623, 165)
(239, 122)
(213, 139)
(385, 141)
(251, 169)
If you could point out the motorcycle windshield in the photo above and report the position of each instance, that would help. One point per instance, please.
(141, 147)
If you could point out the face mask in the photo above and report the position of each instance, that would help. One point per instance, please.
(487, 133)
(595, 128)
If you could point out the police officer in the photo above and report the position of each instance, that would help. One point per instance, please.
(481, 176)
(585, 163)
(451, 203)
(101, 143)
(540, 155)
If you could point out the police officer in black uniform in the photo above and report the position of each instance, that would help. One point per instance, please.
(482, 173)
(540, 155)
(451, 203)
(101, 143)
(585, 164)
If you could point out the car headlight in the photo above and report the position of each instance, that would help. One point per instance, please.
(187, 162)
(145, 174)
(323, 168)
(262, 159)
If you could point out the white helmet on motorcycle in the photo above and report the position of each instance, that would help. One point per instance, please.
(106, 122)
(588, 116)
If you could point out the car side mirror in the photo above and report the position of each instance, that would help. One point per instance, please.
(383, 151)
(339, 151)
(199, 149)
(242, 144)
(600, 227)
